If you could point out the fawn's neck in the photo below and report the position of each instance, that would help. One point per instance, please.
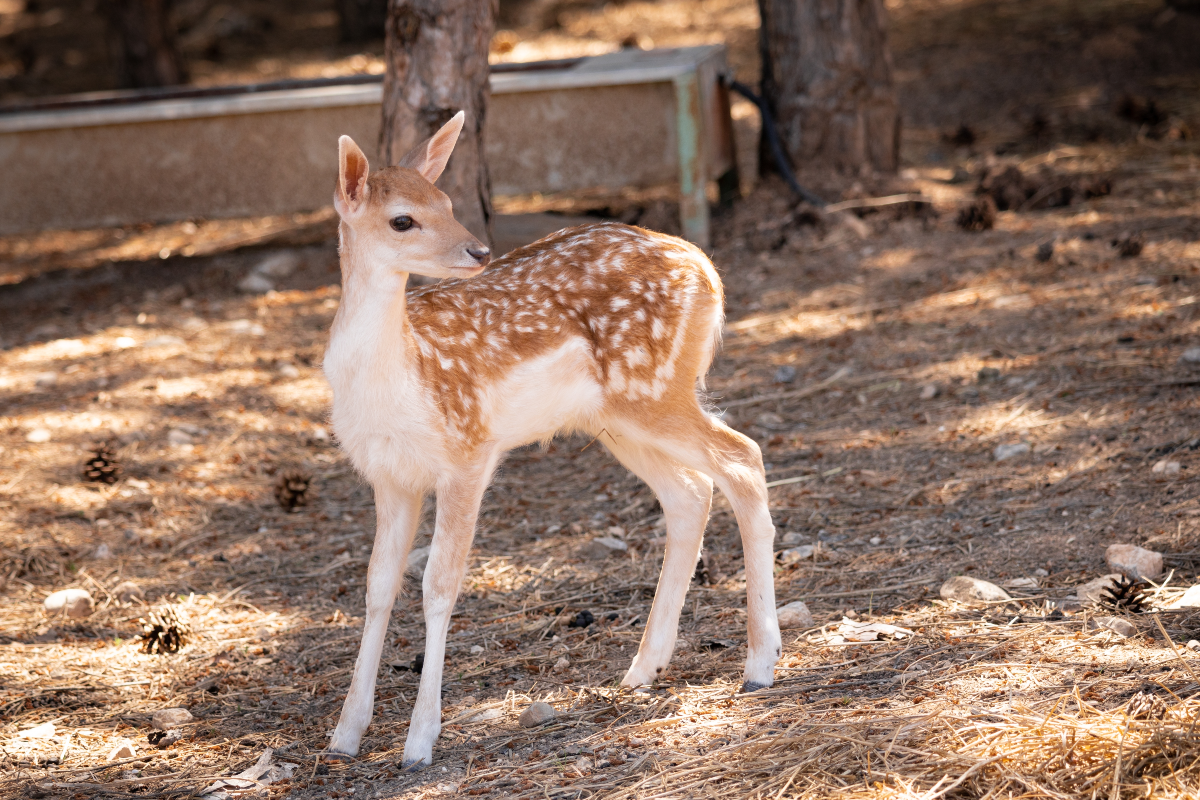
(371, 325)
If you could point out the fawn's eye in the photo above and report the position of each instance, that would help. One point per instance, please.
(402, 222)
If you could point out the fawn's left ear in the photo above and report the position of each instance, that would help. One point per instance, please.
(352, 177)
(429, 158)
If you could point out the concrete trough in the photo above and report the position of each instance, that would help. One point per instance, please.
(628, 119)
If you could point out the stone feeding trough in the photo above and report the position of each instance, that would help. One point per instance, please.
(633, 118)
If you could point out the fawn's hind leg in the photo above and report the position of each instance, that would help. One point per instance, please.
(685, 496)
(734, 463)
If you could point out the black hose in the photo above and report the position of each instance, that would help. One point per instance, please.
(768, 126)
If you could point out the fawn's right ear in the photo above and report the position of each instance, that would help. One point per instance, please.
(352, 177)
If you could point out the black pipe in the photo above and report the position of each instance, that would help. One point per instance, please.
(768, 126)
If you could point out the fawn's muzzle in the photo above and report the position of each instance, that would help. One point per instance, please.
(480, 253)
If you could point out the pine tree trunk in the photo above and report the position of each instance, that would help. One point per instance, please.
(146, 54)
(827, 78)
(437, 65)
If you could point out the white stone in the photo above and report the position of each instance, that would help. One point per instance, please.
(75, 603)
(791, 539)
(418, 557)
(604, 546)
(1191, 356)
(795, 615)
(972, 591)
(1133, 561)
(562, 665)
(278, 265)
(167, 718)
(256, 284)
(536, 714)
(123, 749)
(1123, 628)
(38, 436)
(1166, 467)
(46, 380)
(794, 554)
(930, 391)
(1006, 451)
(177, 437)
(288, 370)
(476, 649)
(1190, 598)
(485, 715)
(44, 731)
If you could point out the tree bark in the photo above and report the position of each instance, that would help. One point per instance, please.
(827, 79)
(362, 20)
(437, 65)
(146, 54)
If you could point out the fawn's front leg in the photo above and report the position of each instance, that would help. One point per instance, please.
(397, 512)
(457, 508)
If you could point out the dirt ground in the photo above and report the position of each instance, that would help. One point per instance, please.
(879, 360)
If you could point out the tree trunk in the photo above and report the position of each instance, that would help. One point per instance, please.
(827, 78)
(437, 65)
(362, 20)
(144, 41)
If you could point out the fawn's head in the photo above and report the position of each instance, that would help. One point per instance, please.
(397, 220)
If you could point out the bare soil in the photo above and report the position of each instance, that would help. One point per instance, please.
(838, 326)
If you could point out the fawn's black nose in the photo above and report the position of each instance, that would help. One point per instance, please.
(480, 253)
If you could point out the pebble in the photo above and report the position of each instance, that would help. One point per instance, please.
(177, 437)
(930, 391)
(44, 731)
(584, 764)
(1190, 599)
(124, 749)
(795, 615)
(1006, 451)
(1191, 357)
(791, 539)
(46, 380)
(288, 370)
(794, 554)
(75, 603)
(128, 591)
(256, 284)
(785, 374)
(537, 714)
(166, 718)
(1133, 561)
(418, 557)
(1193, 645)
(972, 591)
(1166, 467)
(562, 665)
(1090, 592)
(38, 436)
(278, 265)
(1122, 627)
(476, 649)
(603, 547)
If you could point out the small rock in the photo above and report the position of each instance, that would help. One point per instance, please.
(1190, 599)
(75, 603)
(1191, 357)
(44, 731)
(875, 541)
(486, 715)
(1166, 467)
(584, 764)
(1006, 451)
(102, 552)
(38, 436)
(164, 739)
(128, 591)
(166, 718)
(418, 557)
(46, 380)
(968, 394)
(562, 665)
(277, 265)
(785, 374)
(987, 375)
(476, 649)
(1133, 561)
(255, 284)
(177, 437)
(794, 554)
(795, 615)
(124, 749)
(288, 370)
(972, 591)
(930, 391)
(1091, 591)
(1193, 645)
(768, 420)
(1122, 627)
(603, 547)
(537, 714)
(791, 539)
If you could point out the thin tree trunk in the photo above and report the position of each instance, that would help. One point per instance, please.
(146, 54)
(827, 78)
(437, 65)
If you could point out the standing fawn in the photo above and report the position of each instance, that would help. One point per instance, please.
(597, 328)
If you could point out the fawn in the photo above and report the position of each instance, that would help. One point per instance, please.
(601, 327)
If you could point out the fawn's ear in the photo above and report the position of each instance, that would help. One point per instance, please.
(429, 158)
(352, 176)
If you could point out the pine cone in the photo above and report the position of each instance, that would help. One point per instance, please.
(1144, 705)
(1126, 594)
(979, 215)
(165, 631)
(102, 466)
(292, 490)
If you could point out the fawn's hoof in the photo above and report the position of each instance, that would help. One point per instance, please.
(414, 764)
(334, 755)
(754, 686)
